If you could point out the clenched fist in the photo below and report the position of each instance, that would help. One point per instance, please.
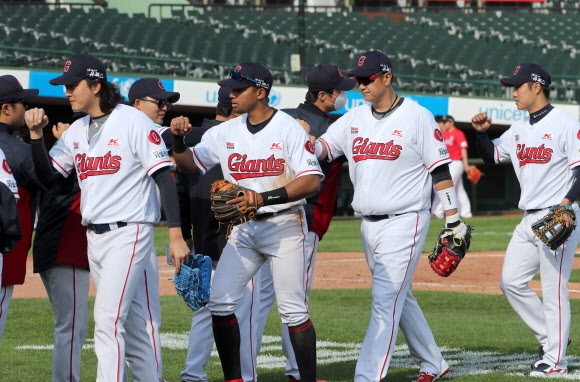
(481, 122)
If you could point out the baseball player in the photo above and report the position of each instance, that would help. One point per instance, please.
(394, 149)
(326, 92)
(119, 159)
(209, 239)
(9, 222)
(457, 147)
(267, 151)
(544, 148)
(13, 104)
(60, 257)
(149, 96)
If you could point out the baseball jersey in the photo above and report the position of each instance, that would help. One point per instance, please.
(389, 159)
(269, 159)
(543, 156)
(114, 170)
(6, 176)
(455, 141)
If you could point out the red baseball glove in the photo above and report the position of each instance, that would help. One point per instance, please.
(451, 247)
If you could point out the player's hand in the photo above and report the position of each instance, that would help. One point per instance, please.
(481, 122)
(180, 126)
(241, 201)
(178, 249)
(35, 119)
(305, 125)
(59, 129)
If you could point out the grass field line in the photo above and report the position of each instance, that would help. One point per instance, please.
(461, 361)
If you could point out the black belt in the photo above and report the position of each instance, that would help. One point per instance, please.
(102, 228)
(376, 218)
(267, 215)
(536, 210)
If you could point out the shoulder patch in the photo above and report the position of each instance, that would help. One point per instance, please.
(154, 137)
(438, 135)
(5, 167)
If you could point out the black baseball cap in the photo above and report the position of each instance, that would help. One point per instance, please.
(248, 74)
(370, 63)
(527, 72)
(79, 67)
(447, 118)
(325, 77)
(224, 96)
(151, 87)
(11, 89)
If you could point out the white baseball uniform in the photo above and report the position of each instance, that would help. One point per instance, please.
(543, 156)
(114, 172)
(390, 160)
(264, 161)
(7, 178)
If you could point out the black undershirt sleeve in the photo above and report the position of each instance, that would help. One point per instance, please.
(168, 191)
(485, 147)
(440, 173)
(574, 191)
(42, 162)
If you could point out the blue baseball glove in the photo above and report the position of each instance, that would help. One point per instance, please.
(193, 281)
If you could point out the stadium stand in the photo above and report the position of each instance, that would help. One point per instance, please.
(447, 51)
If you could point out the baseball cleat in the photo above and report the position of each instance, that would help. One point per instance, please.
(541, 355)
(430, 377)
(544, 370)
(292, 379)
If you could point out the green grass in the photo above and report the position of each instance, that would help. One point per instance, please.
(474, 330)
(492, 233)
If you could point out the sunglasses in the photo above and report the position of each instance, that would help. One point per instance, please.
(161, 103)
(366, 81)
(22, 101)
(236, 75)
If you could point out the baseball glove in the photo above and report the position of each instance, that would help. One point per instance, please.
(451, 247)
(193, 281)
(230, 214)
(474, 175)
(552, 229)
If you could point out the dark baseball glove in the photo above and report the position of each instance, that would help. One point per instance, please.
(451, 247)
(230, 214)
(193, 281)
(552, 229)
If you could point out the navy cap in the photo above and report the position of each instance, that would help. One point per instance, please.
(370, 63)
(151, 87)
(527, 72)
(11, 89)
(325, 77)
(249, 74)
(79, 67)
(224, 96)
(447, 118)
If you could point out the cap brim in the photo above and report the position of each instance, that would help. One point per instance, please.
(346, 84)
(512, 81)
(359, 72)
(65, 80)
(234, 84)
(29, 93)
(170, 96)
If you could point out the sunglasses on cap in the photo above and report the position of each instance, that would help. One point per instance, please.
(161, 103)
(366, 81)
(236, 75)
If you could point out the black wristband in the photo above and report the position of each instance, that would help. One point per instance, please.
(178, 144)
(277, 196)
